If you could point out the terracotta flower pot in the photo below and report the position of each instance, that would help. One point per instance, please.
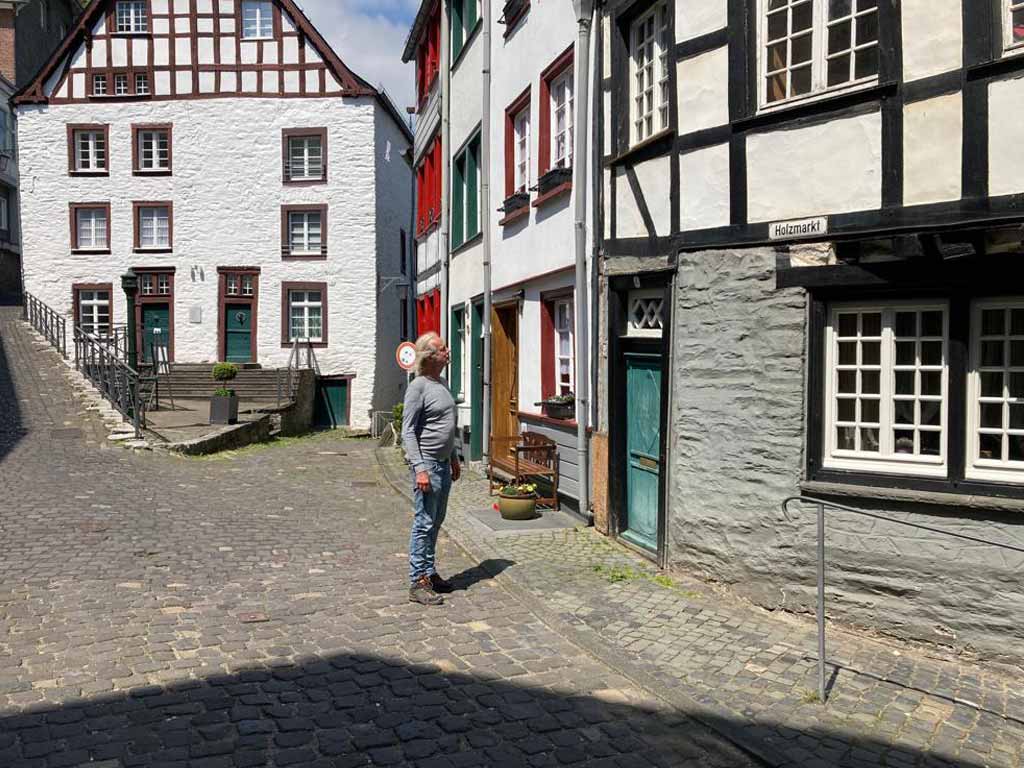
(517, 507)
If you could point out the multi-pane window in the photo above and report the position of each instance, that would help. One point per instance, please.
(155, 284)
(562, 120)
(564, 347)
(886, 377)
(305, 158)
(305, 313)
(305, 232)
(90, 150)
(649, 88)
(996, 401)
(141, 84)
(811, 46)
(1014, 23)
(154, 149)
(522, 150)
(91, 229)
(154, 226)
(94, 312)
(121, 84)
(257, 19)
(131, 16)
(465, 221)
(464, 16)
(99, 85)
(646, 315)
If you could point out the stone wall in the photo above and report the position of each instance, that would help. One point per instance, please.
(736, 448)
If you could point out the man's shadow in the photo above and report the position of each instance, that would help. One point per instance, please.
(486, 569)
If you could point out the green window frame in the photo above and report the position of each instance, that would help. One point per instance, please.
(456, 338)
(464, 18)
(465, 203)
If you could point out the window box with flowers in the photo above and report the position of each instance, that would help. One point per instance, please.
(554, 178)
(559, 406)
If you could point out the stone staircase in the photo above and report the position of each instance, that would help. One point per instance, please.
(194, 381)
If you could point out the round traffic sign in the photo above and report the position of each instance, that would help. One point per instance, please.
(406, 355)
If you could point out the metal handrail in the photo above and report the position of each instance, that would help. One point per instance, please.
(295, 364)
(50, 324)
(115, 380)
(820, 505)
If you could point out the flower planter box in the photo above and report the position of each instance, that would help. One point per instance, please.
(224, 409)
(517, 507)
(555, 410)
(515, 202)
(553, 178)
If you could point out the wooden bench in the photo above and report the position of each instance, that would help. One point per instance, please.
(524, 458)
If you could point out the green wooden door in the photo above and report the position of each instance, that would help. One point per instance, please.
(238, 333)
(643, 443)
(476, 383)
(331, 407)
(156, 328)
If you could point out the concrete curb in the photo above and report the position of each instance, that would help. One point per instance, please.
(705, 711)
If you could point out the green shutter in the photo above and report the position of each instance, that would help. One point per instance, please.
(469, 16)
(458, 198)
(473, 188)
(455, 336)
(456, 28)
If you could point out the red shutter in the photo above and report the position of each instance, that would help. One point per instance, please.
(547, 350)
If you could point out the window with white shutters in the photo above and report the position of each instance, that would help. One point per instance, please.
(257, 19)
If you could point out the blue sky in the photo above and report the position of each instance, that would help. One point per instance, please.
(369, 36)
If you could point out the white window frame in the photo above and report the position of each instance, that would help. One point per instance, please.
(264, 21)
(159, 159)
(163, 284)
(141, 84)
(89, 303)
(631, 329)
(307, 170)
(305, 304)
(564, 83)
(97, 229)
(160, 225)
(99, 85)
(308, 248)
(569, 332)
(655, 74)
(1009, 44)
(819, 56)
(521, 149)
(91, 152)
(976, 468)
(121, 84)
(886, 460)
(134, 20)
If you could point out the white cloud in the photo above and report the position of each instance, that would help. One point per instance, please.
(369, 36)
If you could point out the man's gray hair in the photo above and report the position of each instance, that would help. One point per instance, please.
(425, 350)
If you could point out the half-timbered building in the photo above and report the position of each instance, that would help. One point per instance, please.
(812, 225)
(222, 151)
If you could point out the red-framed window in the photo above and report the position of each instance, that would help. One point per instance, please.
(554, 149)
(557, 344)
(428, 56)
(428, 188)
(517, 144)
(428, 312)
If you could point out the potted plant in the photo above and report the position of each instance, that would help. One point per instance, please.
(559, 406)
(553, 178)
(224, 402)
(515, 201)
(518, 502)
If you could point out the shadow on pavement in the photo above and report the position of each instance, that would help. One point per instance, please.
(343, 710)
(482, 571)
(12, 428)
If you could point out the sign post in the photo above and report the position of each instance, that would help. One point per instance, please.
(405, 356)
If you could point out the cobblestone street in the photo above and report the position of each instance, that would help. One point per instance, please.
(253, 611)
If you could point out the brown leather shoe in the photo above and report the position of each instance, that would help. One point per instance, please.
(423, 592)
(440, 585)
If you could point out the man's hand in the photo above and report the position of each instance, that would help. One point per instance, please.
(423, 482)
(456, 469)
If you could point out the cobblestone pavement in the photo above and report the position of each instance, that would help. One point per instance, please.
(252, 611)
(889, 704)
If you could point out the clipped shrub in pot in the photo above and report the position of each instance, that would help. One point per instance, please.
(224, 402)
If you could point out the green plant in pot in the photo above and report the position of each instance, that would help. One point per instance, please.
(224, 402)
(559, 406)
(518, 501)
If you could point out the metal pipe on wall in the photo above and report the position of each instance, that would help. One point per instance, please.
(443, 242)
(485, 222)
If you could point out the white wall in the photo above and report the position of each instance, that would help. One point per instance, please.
(932, 150)
(1006, 137)
(932, 37)
(227, 194)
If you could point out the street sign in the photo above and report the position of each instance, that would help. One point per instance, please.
(406, 355)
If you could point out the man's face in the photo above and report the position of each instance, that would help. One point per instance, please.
(443, 355)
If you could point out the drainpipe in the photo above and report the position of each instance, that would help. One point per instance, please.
(584, 16)
(443, 241)
(485, 219)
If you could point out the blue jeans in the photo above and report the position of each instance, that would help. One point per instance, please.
(429, 511)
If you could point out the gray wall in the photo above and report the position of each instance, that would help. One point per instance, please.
(568, 459)
(736, 451)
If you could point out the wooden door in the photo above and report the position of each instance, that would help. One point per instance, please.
(643, 446)
(238, 333)
(156, 328)
(505, 371)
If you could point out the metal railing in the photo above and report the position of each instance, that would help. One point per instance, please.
(119, 384)
(820, 506)
(301, 357)
(48, 322)
(379, 423)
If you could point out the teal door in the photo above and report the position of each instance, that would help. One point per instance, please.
(643, 449)
(156, 328)
(238, 333)
(331, 407)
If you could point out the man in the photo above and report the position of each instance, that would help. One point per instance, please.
(429, 435)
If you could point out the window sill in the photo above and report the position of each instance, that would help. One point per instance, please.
(89, 173)
(90, 251)
(155, 172)
(969, 501)
(824, 102)
(428, 229)
(465, 246)
(515, 216)
(657, 144)
(317, 256)
(245, 39)
(548, 421)
(303, 182)
(561, 189)
(302, 344)
(145, 249)
(141, 33)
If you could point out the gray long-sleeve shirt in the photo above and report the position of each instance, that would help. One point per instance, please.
(429, 422)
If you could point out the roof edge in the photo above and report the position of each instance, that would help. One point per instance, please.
(416, 31)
